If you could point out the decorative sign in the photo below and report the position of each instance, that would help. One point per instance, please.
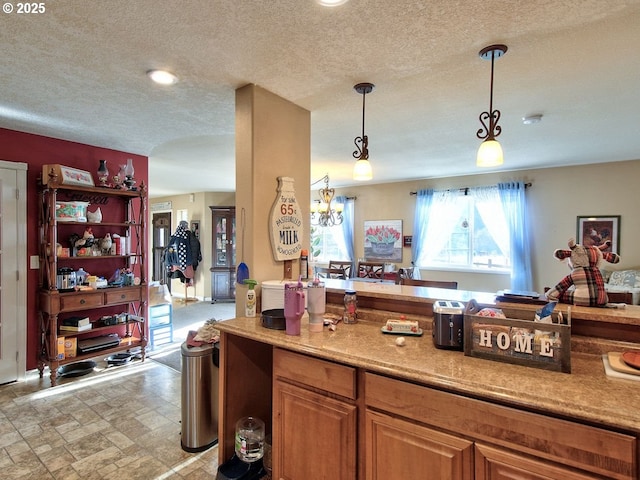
(66, 176)
(523, 342)
(286, 227)
(160, 206)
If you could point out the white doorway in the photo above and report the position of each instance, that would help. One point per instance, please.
(13, 281)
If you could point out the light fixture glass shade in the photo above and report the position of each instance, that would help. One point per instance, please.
(162, 77)
(489, 154)
(362, 170)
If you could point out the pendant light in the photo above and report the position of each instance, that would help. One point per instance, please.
(490, 151)
(362, 168)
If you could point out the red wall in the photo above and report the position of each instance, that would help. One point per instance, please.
(36, 151)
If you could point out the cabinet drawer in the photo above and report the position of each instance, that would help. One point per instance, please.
(80, 302)
(321, 374)
(122, 296)
(595, 449)
(159, 310)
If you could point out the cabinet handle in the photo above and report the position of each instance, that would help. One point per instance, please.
(82, 301)
(122, 296)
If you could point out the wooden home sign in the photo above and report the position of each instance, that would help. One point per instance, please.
(517, 340)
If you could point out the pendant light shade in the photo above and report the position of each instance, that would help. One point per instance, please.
(489, 154)
(362, 169)
(490, 151)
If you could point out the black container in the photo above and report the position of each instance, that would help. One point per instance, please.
(274, 319)
(448, 324)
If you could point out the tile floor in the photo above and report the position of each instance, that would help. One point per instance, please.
(120, 422)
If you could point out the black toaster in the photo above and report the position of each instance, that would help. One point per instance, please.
(448, 321)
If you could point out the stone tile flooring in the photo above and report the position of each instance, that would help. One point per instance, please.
(121, 422)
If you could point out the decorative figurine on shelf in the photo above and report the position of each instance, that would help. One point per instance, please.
(105, 244)
(103, 173)
(118, 179)
(86, 240)
(95, 217)
(584, 285)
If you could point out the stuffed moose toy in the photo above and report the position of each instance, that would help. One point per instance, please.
(584, 285)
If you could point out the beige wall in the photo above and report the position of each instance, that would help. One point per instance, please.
(556, 198)
(198, 210)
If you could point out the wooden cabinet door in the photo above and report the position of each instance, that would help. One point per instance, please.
(396, 448)
(314, 436)
(497, 464)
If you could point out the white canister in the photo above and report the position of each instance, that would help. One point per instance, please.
(273, 294)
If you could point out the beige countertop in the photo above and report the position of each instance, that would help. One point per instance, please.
(586, 394)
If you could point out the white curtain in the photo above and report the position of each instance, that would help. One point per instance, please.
(441, 219)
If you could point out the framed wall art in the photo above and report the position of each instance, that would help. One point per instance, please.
(596, 230)
(383, 240)
(195, 228)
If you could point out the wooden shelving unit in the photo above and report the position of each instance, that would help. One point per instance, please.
(124, 214)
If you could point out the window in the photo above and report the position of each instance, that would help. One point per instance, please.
(327, 243)
(466, 229)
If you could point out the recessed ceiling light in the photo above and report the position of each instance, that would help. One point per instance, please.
(331, 3)
(162, 77)
(531, 119)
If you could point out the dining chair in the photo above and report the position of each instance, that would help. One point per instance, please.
(324, 272)
(370, 269)
(343, 265)
(429, 283)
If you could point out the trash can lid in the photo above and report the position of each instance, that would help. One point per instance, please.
(206, 349)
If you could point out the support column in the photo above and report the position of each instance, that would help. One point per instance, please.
(273, 139)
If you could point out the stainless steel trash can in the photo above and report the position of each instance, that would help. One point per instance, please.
(199, 397)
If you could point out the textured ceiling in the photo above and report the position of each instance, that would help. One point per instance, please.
(77, 72)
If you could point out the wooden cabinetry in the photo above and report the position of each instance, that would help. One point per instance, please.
(123, 214)
(509, 443)
(333, 419)
(223, 255)
(315, 418)
(397, 448)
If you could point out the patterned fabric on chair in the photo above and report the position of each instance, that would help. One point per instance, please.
(370, 269)
(323, 272)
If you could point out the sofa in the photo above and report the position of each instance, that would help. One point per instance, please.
(623, 281)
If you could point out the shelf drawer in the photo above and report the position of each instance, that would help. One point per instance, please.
(80, 302)
(159, 315)
(122, 296)
(160, 335)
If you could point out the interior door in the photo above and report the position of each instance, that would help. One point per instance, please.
(13, 278)
(161, 235)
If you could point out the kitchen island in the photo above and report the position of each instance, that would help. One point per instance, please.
(352, 404)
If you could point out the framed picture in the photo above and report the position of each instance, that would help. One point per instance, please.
(383, 240)
(195, 228)
(595, 231)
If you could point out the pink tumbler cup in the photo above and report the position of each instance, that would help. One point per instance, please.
(293, 307)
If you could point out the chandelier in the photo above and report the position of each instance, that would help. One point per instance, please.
(323, 212)
(362, 168)
(490, 151)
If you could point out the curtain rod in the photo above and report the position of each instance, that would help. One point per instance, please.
(465, 190)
